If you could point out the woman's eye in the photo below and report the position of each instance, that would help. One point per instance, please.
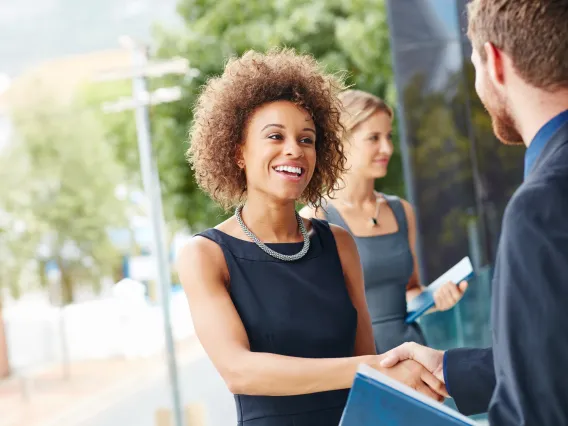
(307, 141)
(374, 138)
(275, 136)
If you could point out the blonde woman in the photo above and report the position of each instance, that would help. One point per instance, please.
(383, 226)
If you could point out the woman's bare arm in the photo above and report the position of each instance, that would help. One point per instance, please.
(203, 273)
(413, 288)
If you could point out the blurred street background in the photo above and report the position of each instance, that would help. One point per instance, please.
(95, 103)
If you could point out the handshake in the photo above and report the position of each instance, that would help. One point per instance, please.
(416, 366)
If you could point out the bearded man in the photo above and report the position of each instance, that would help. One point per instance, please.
(520, 53)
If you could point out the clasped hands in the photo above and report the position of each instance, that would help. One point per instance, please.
(416, 366)
(420, 367)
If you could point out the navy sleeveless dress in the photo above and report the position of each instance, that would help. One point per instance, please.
(299, 309)
(387, 267)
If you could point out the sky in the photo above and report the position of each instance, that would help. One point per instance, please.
(32, 31)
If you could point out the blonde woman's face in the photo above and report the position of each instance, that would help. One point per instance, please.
(369, 147)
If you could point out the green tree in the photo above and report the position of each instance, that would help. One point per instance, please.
(120, 131)
(119, 128)
(344, 36)
(61, 176)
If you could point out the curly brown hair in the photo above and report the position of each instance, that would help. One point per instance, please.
(227, 102)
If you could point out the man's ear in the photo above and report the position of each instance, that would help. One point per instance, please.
(495, 64)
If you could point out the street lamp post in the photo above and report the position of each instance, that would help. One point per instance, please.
(151, 181)
(140, 100)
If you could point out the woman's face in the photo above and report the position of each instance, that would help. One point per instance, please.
(369, 147)
(279, 151)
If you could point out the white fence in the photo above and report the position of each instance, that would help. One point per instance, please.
(40, 334)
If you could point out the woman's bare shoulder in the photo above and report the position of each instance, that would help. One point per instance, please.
(309, 212)
(201, 257)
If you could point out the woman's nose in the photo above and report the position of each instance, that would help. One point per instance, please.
(386, 147)
(293, 149)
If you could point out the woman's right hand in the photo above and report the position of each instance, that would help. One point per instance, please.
(415, 375)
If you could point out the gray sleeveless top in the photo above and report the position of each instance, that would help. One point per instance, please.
(387, 267)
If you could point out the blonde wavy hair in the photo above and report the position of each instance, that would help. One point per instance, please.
(358, 106)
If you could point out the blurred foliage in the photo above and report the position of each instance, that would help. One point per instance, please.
(119, 129)
(17, 248)
(344, 36)
(57, 192)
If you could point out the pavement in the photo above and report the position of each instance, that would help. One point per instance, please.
(114, 392)
(200, 384)
(119, 393)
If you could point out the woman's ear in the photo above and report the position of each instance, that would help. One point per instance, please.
(240, 160)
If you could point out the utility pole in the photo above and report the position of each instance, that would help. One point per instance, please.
(141, 69)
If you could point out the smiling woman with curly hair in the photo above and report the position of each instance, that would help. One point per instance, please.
(278, 301)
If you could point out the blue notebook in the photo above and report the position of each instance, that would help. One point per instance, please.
(378, 400)
(463, 270)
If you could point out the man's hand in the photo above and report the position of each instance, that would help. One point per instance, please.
(449, 294)
(413, 374)
(431, 359)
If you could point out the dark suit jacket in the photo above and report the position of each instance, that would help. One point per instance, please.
(522, 380)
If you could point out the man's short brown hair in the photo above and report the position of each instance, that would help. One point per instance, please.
(534, 33)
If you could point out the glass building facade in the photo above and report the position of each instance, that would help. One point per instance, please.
(458, 176)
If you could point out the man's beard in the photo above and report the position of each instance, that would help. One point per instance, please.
(502, 120)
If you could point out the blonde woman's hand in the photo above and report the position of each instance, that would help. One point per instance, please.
(449, 294)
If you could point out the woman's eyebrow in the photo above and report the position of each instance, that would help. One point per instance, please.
(272, 125)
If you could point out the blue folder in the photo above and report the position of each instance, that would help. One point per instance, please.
(463, 270)
(378, 400)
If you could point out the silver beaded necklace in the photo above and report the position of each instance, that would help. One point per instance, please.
(268, 250)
